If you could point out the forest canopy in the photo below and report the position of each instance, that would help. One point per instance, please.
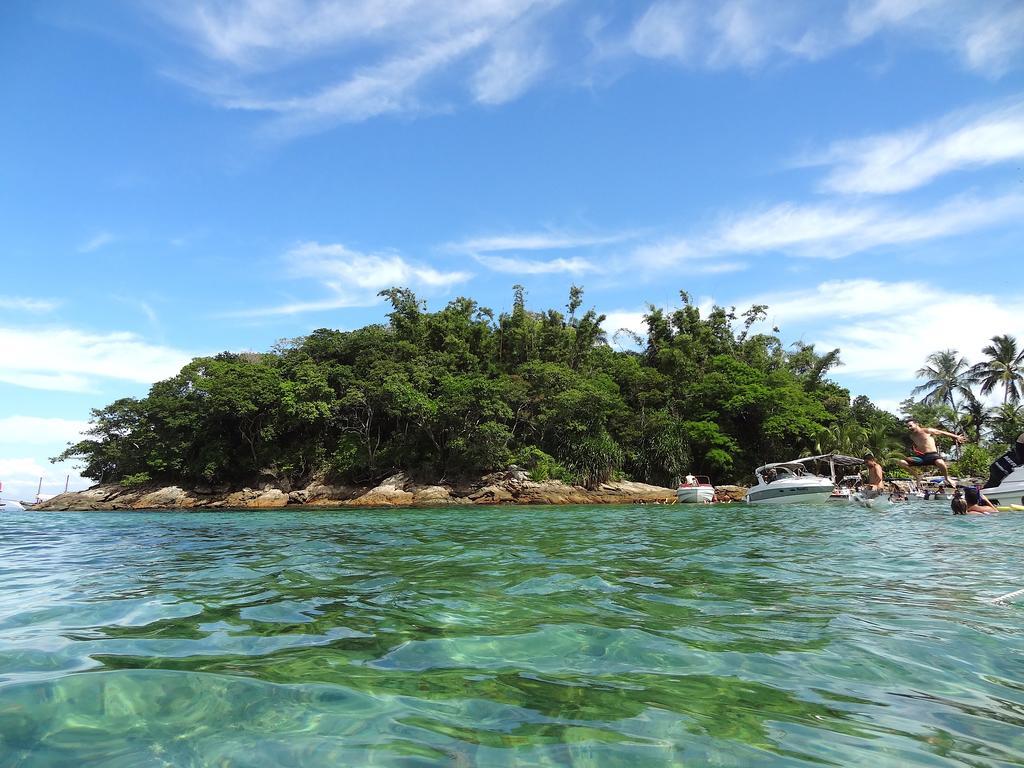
(461, 391)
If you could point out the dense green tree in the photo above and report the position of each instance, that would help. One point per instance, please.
(461, 391)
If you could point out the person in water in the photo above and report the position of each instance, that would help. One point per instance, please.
(925, 452)
(1006, 463)
(971, 501)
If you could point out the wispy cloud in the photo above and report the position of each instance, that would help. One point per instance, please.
(503, 252)
(573, 266)
(897, 162)
(828, 230)
(351, 278)
(24, 304)
(96, 242)
(73, 360)
(749, 34)
(388, 54)
(513, 66)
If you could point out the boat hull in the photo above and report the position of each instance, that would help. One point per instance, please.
(695, 494)
(1005, 494)
(790, 493)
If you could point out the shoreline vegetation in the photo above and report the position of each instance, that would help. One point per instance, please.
(538, 407)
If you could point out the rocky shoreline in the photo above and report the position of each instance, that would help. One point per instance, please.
(509, 487)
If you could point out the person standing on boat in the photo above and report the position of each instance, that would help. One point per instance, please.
(1006, 463)
(925, 453)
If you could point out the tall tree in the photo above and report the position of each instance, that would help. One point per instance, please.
(1004, 368)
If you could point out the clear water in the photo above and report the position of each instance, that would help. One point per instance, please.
(583, 636)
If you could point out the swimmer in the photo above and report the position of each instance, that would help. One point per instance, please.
(925, 452)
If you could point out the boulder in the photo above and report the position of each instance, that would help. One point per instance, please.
(730, 492)
(171, 497)
(390, 493)
(431, 495)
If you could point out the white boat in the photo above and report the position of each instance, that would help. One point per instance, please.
(695, 490)
(1009, 491)
(792, 481)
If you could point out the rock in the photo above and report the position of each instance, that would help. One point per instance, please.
(491, 494)
(431, 495)
(730, 492)
(628, 492)
(390, 493)
(248, 498)
(298, 497)
(170, 497)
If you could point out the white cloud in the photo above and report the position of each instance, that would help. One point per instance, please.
(23, 304)
(887, 329)
(72, 360)
(499, 252)
(511, 69)
(388, 53)
(534, 241)
(511, 265)
(351, 278)
(22, 430)
(96, 242)
(629, 320)
(20, 477)
(834, 231)
(896, 162)
(750, 34)
(823, 230)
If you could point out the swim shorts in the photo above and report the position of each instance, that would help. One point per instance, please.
(923, 459)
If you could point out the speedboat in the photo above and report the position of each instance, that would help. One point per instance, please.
(1009, 491)
(789, 481)
(695, 490)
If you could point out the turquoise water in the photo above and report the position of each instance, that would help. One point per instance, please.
(583, 636)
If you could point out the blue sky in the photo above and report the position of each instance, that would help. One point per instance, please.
(183, 178)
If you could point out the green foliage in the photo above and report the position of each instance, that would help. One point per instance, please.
(974, 461)
(540, 466)
(134, 481)
(465, 391)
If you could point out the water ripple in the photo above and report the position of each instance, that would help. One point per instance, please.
(570, 636)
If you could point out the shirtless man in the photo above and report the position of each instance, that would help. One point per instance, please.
(925, 452)
(875, 476)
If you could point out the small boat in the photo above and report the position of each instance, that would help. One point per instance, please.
(695, 489)
(790, 481)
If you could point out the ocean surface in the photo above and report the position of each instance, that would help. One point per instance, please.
(579, 636)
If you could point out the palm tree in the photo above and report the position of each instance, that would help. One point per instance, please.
(1007, 422)
(946, 374)
(975, 417)
(1004, 368)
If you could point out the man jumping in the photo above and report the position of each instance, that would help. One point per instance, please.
(925, 452)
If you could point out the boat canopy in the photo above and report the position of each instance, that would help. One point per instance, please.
(834, 459)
